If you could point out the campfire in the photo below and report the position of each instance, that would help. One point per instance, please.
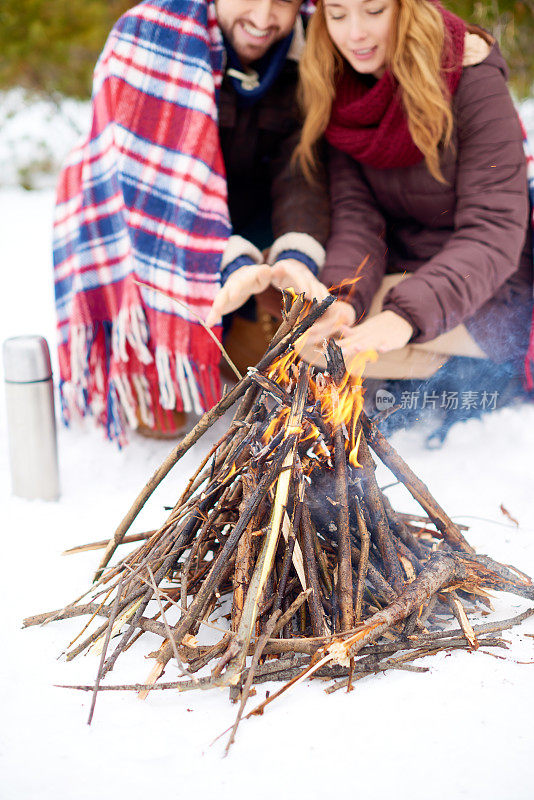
(284, 545)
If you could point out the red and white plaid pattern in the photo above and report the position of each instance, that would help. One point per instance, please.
(143, 199)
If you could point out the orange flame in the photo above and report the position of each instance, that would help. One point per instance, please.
(350, 282)
(353, 455)
(281, 369)
(338, 405)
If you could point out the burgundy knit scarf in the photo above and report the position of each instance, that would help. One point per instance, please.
(370, 124)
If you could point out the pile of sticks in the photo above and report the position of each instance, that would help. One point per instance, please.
(285, 545)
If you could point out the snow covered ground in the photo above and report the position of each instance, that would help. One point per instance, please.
(35, 135)
(464, 729)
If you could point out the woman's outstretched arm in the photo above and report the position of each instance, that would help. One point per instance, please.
(356, 250)
(491, 214)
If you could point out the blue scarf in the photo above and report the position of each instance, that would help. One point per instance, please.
(267, 69)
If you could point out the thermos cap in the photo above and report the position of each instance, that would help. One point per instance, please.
(26, 359)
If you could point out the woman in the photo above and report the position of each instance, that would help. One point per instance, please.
(428, 183)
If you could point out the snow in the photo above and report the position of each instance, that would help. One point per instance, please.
(462, 730)
(35, 136)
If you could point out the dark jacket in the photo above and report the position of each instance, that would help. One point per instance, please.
(257, 144)
(466, 243)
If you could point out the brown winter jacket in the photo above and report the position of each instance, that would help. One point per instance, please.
(257, 144)
(466, 244)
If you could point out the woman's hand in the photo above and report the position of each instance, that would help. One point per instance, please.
(337, 318)
(386, 331)
(290, 273)
(383, 332)
(241, 285)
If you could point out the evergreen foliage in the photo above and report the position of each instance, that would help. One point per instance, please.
(512, 23)
(50, 46)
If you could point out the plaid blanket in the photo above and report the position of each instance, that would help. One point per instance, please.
(529, 359)
(143, 199)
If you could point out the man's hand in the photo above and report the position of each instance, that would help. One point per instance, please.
(241, 285)
(246, 281)
(386, 331)
(290, 273)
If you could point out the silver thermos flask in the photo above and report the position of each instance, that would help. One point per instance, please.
(31, 418)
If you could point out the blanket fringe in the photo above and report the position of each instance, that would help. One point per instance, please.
(131, 329)
(112, 375)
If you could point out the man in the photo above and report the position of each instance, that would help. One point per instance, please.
(183, 182)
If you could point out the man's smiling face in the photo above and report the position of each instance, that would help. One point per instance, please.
(253, 26)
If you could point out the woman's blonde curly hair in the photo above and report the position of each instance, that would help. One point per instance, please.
(415, 59)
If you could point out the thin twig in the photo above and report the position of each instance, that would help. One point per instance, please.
(363, 563)
(82, 548)
(250, 677)
(459, 612)
(181, 668)
(105, 649)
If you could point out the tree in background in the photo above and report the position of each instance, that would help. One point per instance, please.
(50, 46)
(512, 23)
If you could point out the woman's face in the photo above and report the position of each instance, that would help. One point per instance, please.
(362, 31)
